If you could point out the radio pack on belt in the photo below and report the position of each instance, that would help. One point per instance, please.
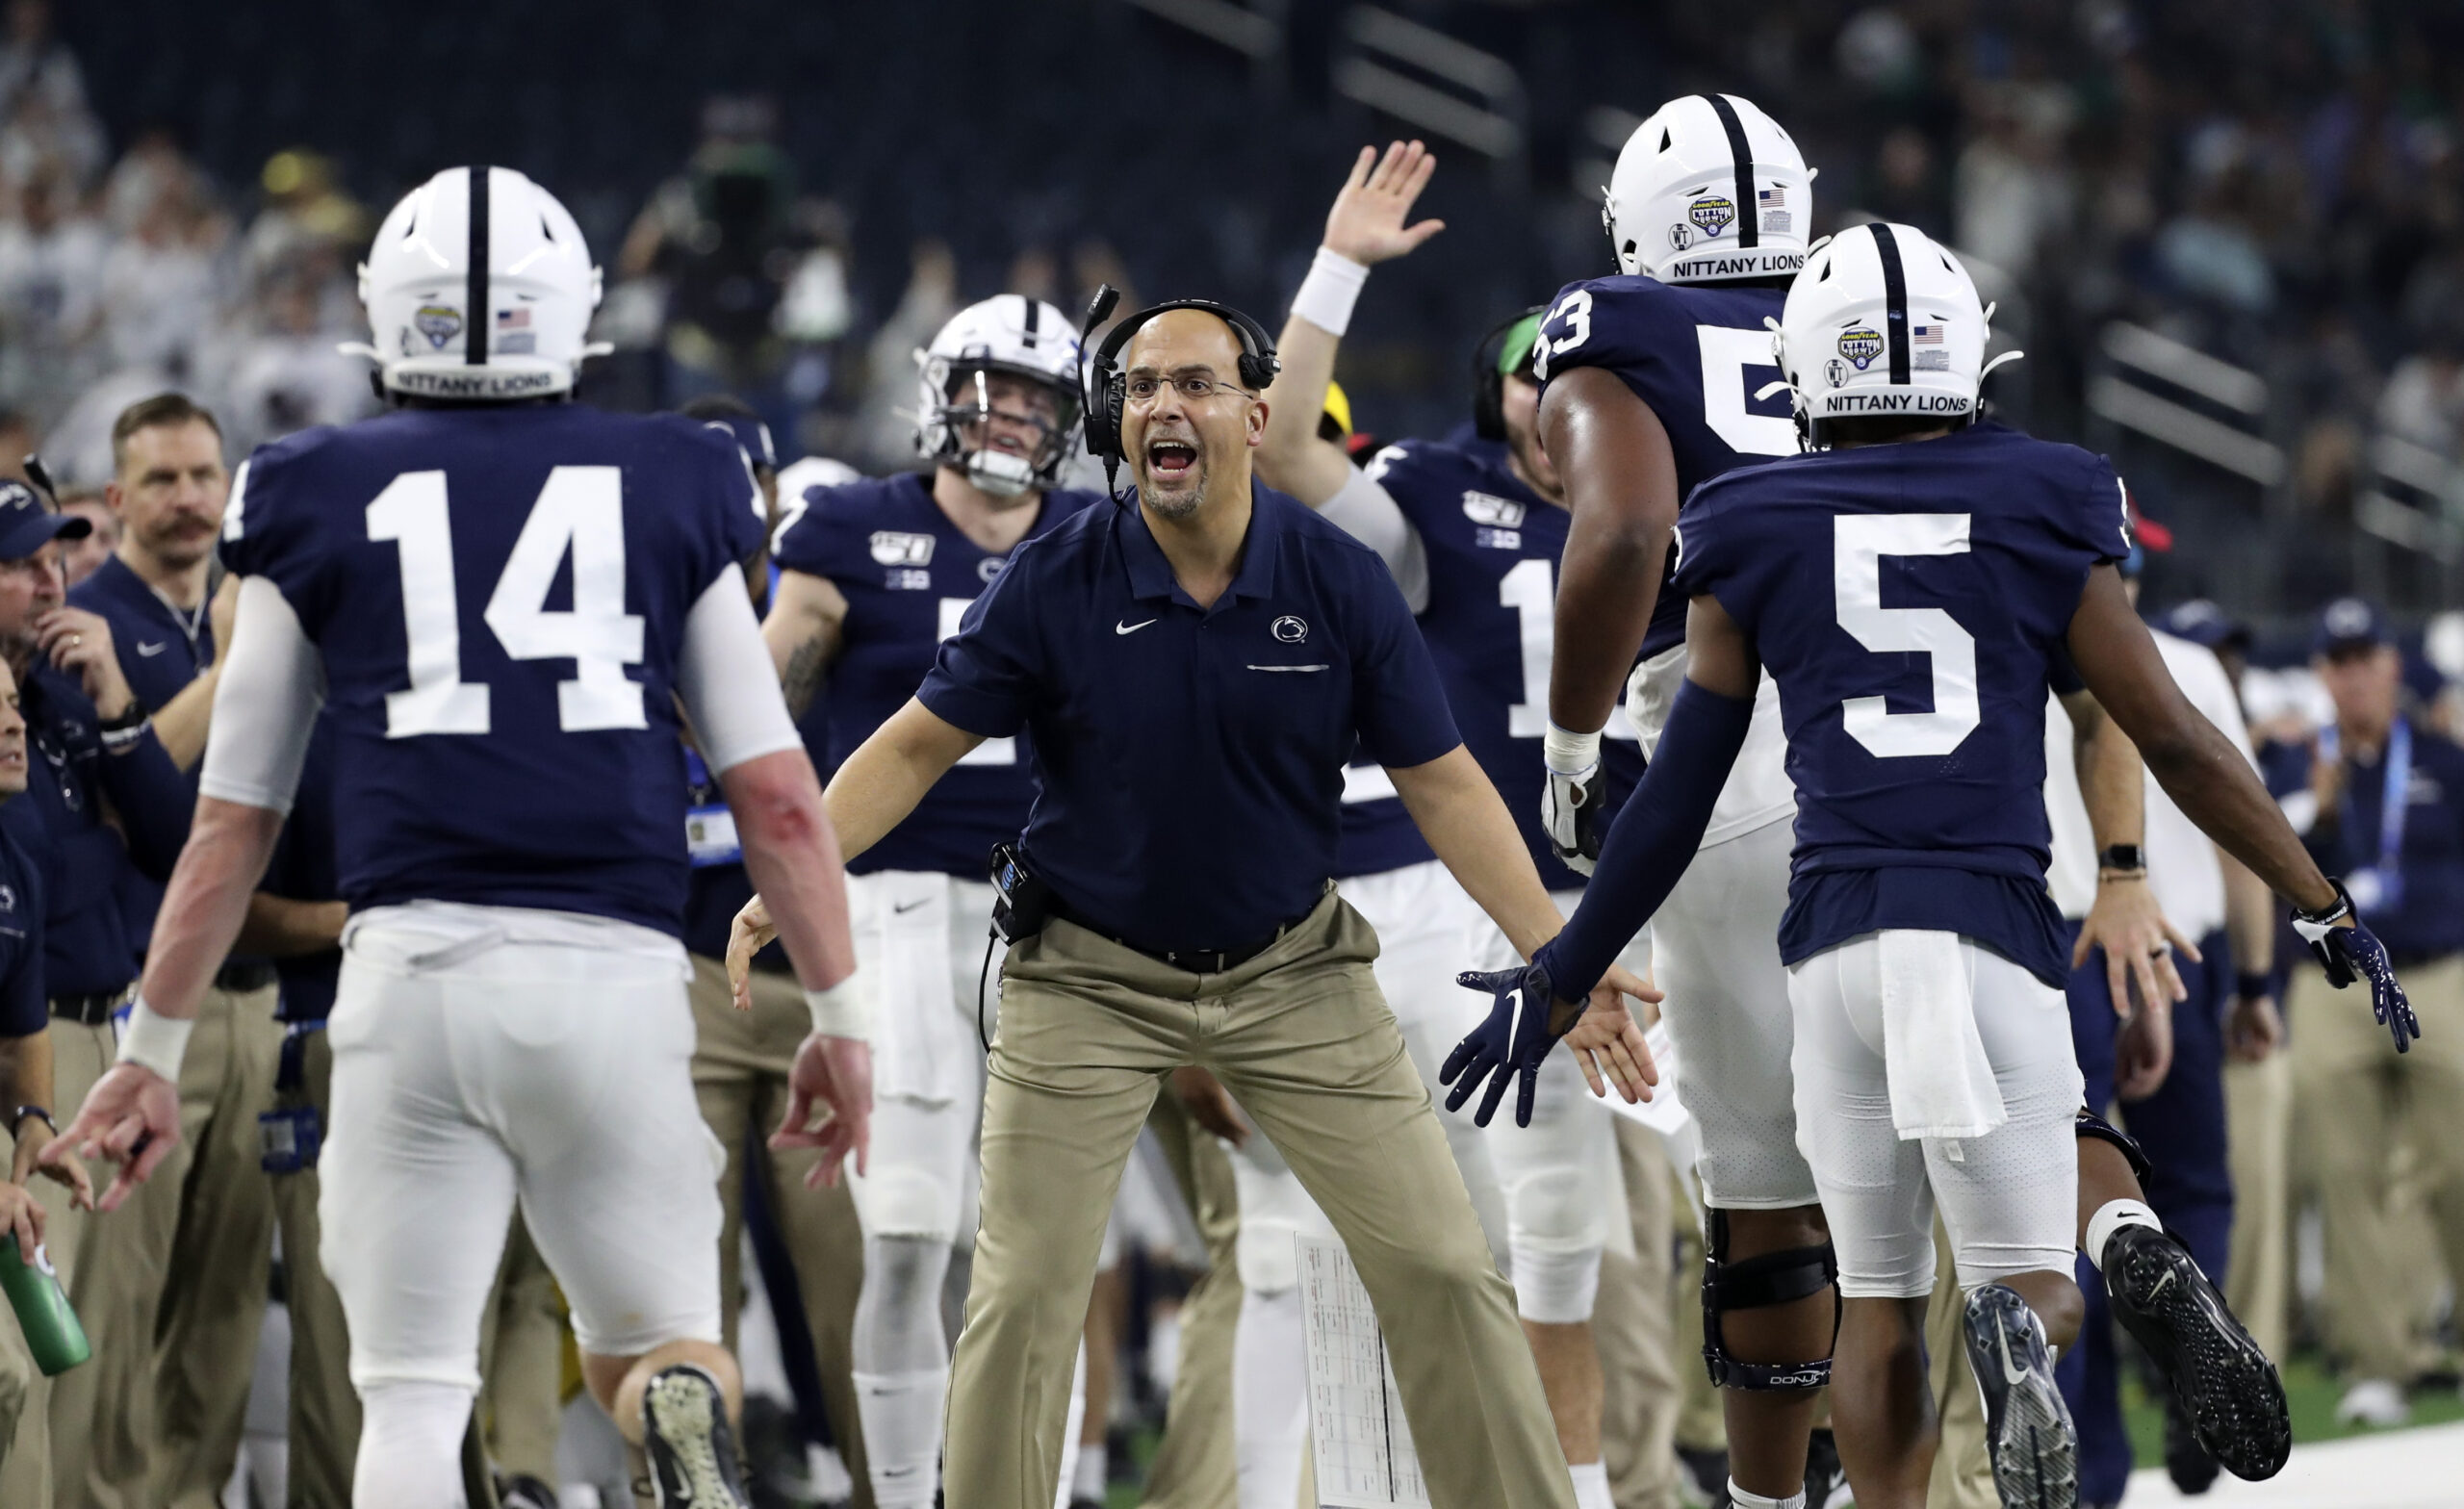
(1022, 902)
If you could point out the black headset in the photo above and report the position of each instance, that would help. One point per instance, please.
(1106, 386)
(1488, 384)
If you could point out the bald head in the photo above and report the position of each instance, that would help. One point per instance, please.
(1187, 426)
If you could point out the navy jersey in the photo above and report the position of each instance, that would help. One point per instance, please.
(907, 574)
(499, 597)
(1493, 546)
(23, 1008)
(1911, 601)
(1697, 355)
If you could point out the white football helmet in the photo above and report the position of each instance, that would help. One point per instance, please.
(1709, 189)
(1883, 323)
(478, 288)
(1006, 333)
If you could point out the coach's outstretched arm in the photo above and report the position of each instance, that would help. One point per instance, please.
(2217, 789)
(266, 707)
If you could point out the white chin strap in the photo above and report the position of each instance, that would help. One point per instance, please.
(999, 473)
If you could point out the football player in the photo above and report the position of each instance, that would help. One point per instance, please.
(873, 576)
(1913, 586)
(1472, 531)
(504, 596)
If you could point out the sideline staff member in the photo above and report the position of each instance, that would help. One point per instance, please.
(1195, 671)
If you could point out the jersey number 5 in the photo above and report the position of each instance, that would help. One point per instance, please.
(580, 511)
(1859, 542)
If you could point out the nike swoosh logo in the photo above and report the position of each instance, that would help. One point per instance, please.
(1297, 669)
(2010, 1373)
(909, 907)
(1127, 628)
(150, 651)
(2161, 1285)
(1514, 1024)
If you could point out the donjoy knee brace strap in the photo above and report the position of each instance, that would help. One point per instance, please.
(1775, 1278)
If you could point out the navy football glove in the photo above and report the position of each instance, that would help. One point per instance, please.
(1525, 1022)
(2347, 954)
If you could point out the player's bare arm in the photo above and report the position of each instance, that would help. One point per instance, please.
(2124, 919)
(803, 630)
(1621, 484)
(1369, 223)
(871, 794)
(1467, 826)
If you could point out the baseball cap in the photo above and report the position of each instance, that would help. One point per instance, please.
(2202, 623)
(2350, 624)
(27, 525)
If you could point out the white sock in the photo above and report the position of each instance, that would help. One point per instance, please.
(1742, 1499)
(1270, 1398)
(2110, 1217)
(1090, 1479)
(410, 1446)
(1591, 1485)
(901, 1413)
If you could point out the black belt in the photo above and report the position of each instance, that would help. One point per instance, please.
(1197, 960)
(241, 976)
(90, 1010)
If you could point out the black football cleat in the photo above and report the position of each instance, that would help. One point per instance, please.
(691, 1449)
(2028, 1432)
(2225, 1385)
(1825, 1478)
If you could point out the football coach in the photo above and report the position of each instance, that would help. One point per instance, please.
(1194, 666)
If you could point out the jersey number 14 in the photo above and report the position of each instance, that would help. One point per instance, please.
(579, 512)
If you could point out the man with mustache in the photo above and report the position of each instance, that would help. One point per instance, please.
(1197, 663)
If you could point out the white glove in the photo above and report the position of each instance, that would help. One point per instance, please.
(1571, 805)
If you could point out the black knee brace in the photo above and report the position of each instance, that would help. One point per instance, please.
(1775, 1278)
(2091, 1124)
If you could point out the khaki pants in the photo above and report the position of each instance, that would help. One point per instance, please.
(2356, 1103)
(1194, 1466)
(2258, 1272)
(741, 1063)
(520, 1347)
(1633, 1324)
(1301, 1038)
(1963, 1470)
(170, 1287)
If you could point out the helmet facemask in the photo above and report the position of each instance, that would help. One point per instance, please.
(966, 431)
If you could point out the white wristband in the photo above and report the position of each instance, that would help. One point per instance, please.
(1329, 290)
(1567, 753)
(156, 1042)
(842, 1010)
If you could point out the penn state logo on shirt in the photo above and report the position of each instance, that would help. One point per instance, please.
(8, 898)
(1860, 345)
(990, 567)
(1713, 214)
(1289, 630)
(895, 548)
(1499, 513)
(439, 322)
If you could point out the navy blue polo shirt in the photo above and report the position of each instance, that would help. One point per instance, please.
(1189, 761)
(161, 649)
(87, 943)
(304, 868)
(2422, 917)
(23, 1010)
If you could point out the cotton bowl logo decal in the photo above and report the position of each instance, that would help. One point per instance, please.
(1289, 630)
(1861, 345)
(1712, 213)
(439, 322)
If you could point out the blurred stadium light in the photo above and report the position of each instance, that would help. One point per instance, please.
(1476, 98)
(2124, 401)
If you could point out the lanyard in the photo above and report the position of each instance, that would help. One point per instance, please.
(2381, 886)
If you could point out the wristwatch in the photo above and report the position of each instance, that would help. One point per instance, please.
(17, 1119)
(2122, 856)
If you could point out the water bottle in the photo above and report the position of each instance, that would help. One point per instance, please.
(52, 1332)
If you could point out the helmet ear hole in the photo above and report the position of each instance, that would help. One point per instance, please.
(1629, 248)
(1665, 139)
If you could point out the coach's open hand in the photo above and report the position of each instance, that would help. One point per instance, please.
(1527, 1020)
(749, 934)
(62, 1168)
(130, 1117)
(832, 1079)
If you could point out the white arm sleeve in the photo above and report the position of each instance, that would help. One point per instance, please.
(730, 687)
(1365, 510)
(266, 707)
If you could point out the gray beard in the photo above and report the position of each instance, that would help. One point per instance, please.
(1184, 504)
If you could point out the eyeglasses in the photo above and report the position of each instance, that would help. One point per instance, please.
(1142, 391)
